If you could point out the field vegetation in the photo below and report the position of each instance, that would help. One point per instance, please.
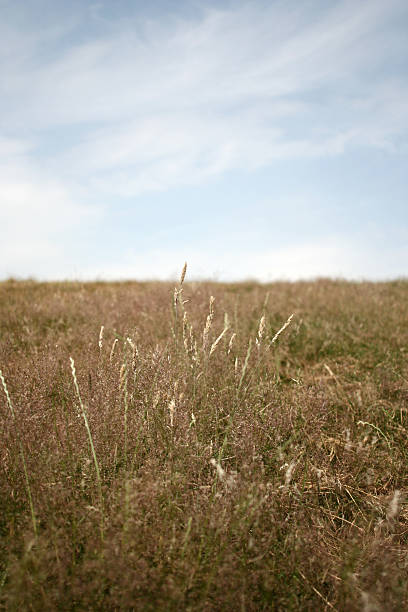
(197, 448)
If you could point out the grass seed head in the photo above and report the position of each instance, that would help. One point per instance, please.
(278, 333)
(261, 330)
(215, 343)
(172, 407)
(10, 405)
(208, 323)
(101, 338)
(231, 342)
(394, 506)
(113, 349)
(183, 273)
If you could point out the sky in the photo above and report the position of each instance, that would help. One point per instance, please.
(255, 140)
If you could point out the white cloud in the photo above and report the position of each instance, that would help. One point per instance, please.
(336, 257)
(38, 219)
(150, 106)
(173, 103)
(163, 151)
(12, 147)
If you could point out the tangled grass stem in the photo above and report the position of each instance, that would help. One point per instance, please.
(22, 455)
(95, 460)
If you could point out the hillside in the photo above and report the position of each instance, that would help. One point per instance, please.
(189, 456)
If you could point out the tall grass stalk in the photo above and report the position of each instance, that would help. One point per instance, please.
(123, 388)
(278, 333)
(85, 417)
(27, 480)
(100, 341)
(186, 536)
(208, 323)
(231, 416)
(178, 301)
(245, 366)
(114, 343)
(214, 344)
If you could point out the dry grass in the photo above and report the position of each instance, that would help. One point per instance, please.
(228, 460)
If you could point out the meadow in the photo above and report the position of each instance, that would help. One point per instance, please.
(197, 447)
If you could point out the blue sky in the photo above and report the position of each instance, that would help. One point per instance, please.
(262, 139)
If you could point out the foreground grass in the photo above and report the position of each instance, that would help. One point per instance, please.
(161, 469)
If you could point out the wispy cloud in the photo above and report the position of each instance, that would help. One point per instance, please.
(326, 257)
(37, 217)
(184, 99)
(96, 108)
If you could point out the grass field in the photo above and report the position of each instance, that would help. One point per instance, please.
(186, 457)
